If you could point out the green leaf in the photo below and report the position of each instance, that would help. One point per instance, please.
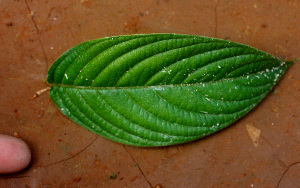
(161, 89)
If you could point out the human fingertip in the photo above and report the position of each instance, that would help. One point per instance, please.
(15, 154)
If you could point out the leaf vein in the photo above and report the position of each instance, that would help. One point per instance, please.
(143, 46)
(226, 100)
(133, 122)
(180, 60)
(168, 121)
(77, 58)
(90, 120)
(87, 63)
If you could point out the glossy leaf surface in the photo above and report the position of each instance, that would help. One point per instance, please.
(161, 89)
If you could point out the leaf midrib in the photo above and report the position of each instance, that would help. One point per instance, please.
(157, 86)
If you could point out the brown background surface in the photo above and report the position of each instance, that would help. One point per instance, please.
(34, 33)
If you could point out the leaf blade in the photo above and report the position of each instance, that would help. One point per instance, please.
(161, 89)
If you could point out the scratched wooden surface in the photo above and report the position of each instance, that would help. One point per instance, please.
(34, 33)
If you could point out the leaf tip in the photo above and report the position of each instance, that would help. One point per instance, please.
(293, 61)
(290, 63)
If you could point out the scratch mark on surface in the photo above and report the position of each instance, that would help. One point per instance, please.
(287, 169)
(216, 18)
(63, 160)
(39, 34)
(280, 161)
(272, 148)
(138, 166)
